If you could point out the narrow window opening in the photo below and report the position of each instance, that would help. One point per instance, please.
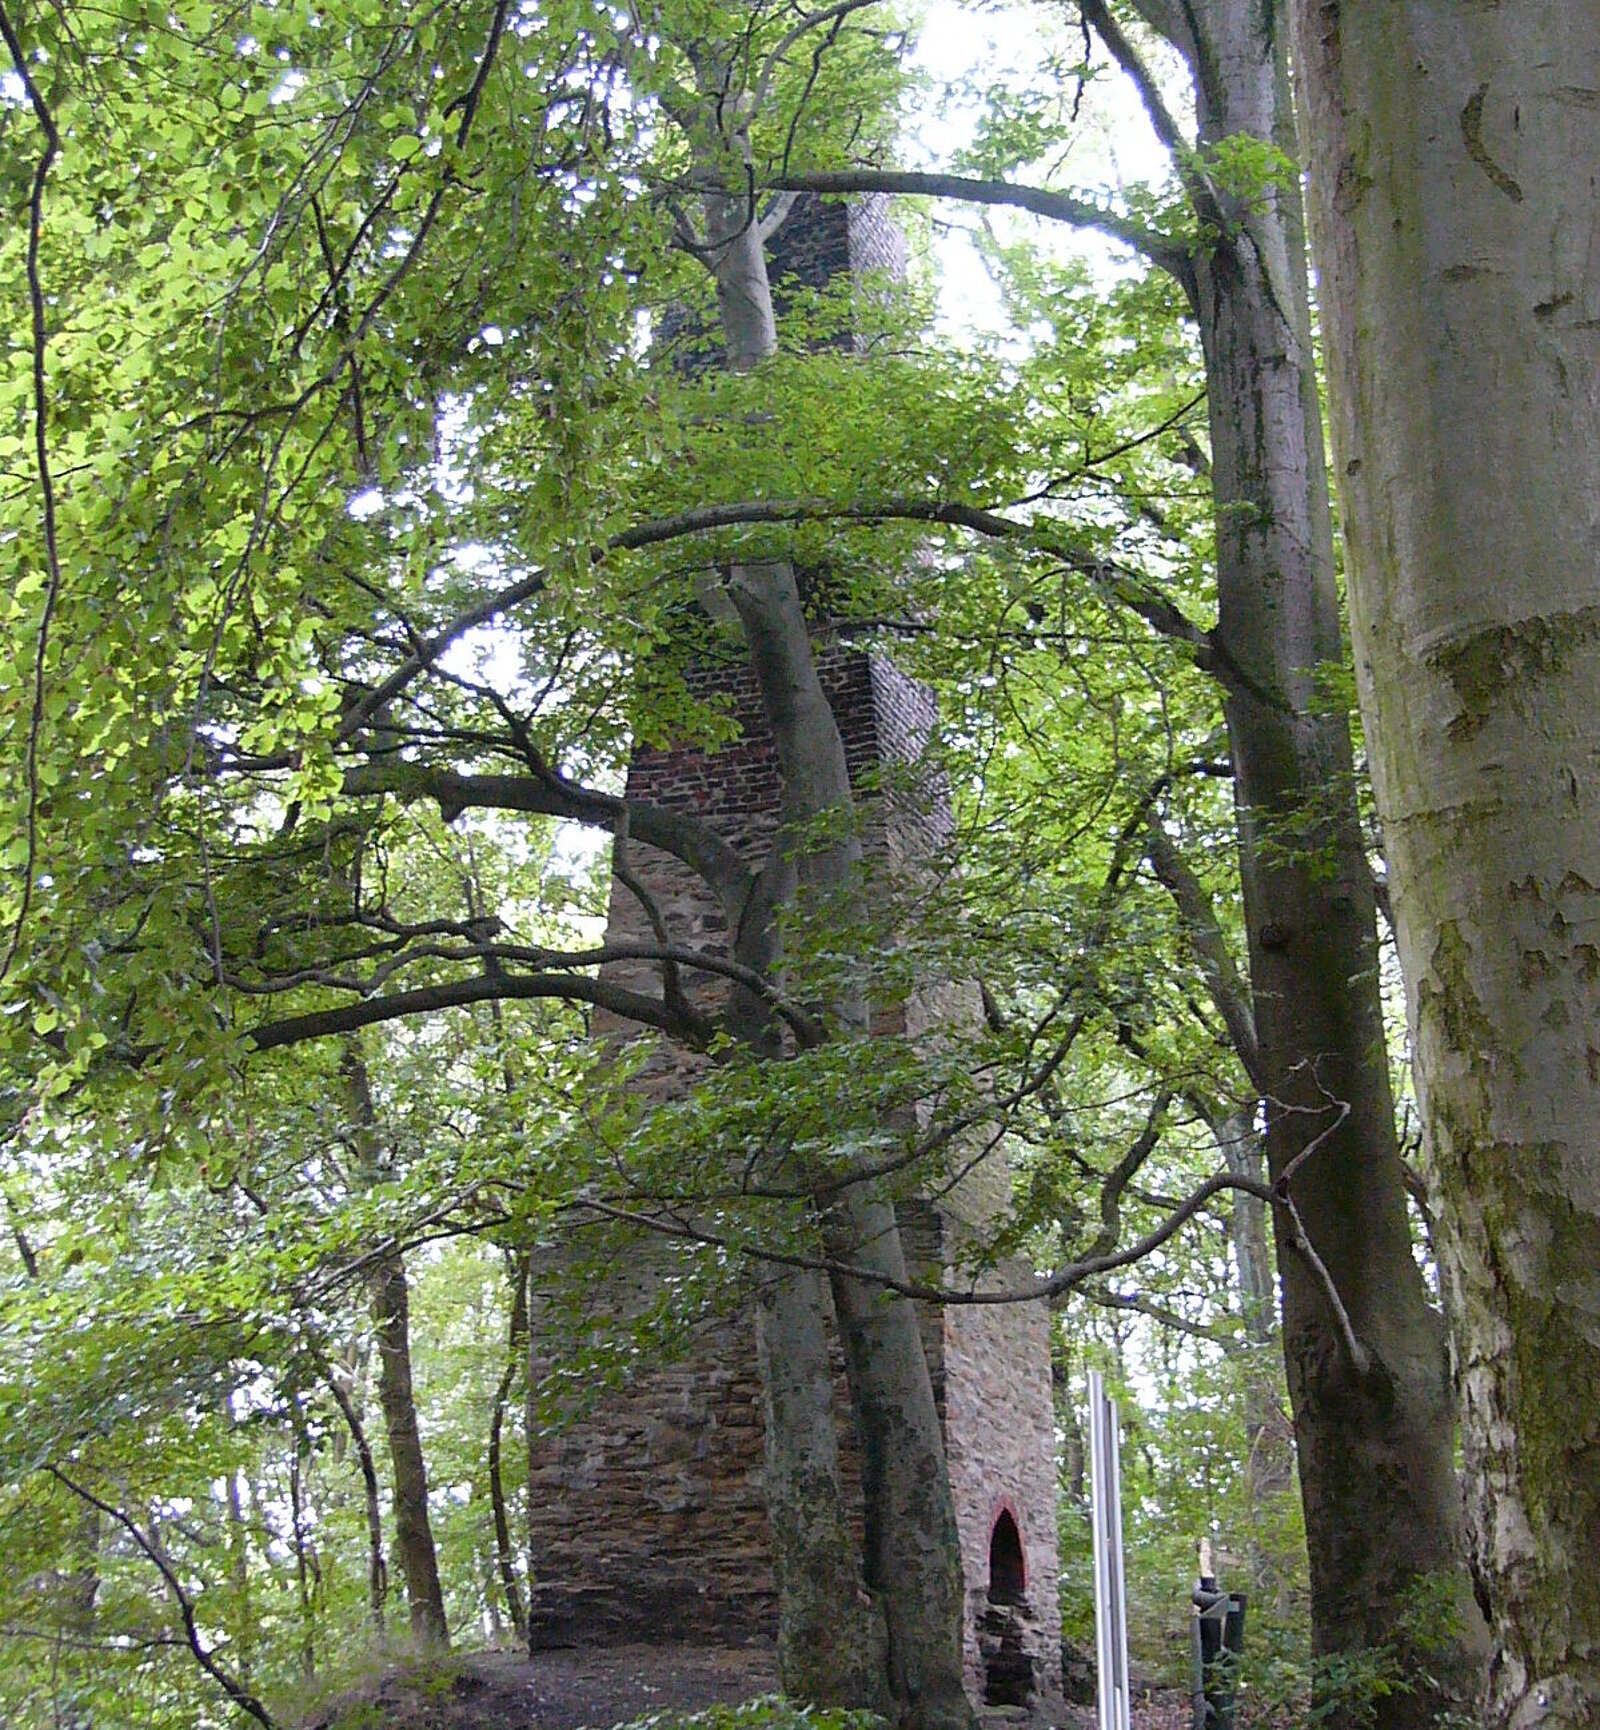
(1008, 1670)
(1008, 1573)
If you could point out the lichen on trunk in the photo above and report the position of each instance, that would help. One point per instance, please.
(1374, 1448)
(1455, 157)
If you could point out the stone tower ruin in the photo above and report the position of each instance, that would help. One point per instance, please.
(647, 1519)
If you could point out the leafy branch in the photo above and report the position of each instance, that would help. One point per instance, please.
(204, 1655)
(41, 441)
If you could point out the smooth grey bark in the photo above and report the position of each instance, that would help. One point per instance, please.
(1374, 1442)
(391, 1319)
(912, 1561)
(1455, 175)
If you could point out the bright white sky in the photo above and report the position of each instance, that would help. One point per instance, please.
(983, 45)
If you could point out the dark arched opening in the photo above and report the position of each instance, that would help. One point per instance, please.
(1008, 1572)
(1008, 1670)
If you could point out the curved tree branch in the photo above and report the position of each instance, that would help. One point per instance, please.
(1161, 250)
(203, 1654)
(685, 1024)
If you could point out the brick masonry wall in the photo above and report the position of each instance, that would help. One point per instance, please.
(646, 1515)
(648, 1518)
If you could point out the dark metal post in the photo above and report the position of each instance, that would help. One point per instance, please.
(1216, 1645)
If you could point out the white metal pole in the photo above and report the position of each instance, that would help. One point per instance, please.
(1110, 1602)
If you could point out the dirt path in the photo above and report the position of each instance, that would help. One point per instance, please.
(556, 1690)
(600, 1687)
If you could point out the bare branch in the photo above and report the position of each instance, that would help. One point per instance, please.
(1068, 1278)
(811, 21)
(1227, 990)
(685, 1024)
(1124, 1172)
(203, 1654)
(1160, 249)
(1168, 1318)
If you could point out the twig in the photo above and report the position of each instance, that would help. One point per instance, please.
(52, 595)
(204, 1656)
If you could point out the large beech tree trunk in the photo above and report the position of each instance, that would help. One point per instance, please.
(913, 1561)
(1374, 1442)
(1455, 173)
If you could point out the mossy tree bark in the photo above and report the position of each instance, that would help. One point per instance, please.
(1455, 174)
(1374, 1439)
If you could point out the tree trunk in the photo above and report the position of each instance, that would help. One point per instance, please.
(1374, 1446)
(304, 1573)
(413, 1533)
(391, 1318)
(516, 1355)
(829, 1653)
(1455, 160)
(912, 1549)
(244, 1640)
(377, 1574)
(1269, 1462)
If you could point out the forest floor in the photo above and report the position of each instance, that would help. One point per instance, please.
(601, 1687)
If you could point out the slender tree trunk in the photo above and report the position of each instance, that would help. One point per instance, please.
(1455, 161)
(1269, 1460)
(305, 1580)
(1073, 1460)
(391, 1317)
(1374, 1442)
(83, 1593)
(912, 1550)
(413, 1532)
(372, 1503)
(1270, 1466)
(516, 1358)
(239, 1573)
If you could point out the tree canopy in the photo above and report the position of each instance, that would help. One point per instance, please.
(376, 491)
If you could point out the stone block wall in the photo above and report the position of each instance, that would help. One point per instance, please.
(647, 1515)
(648, 1521)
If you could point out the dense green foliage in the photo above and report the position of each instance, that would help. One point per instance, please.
(373, 476)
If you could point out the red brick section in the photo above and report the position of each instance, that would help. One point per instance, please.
(884, 718)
